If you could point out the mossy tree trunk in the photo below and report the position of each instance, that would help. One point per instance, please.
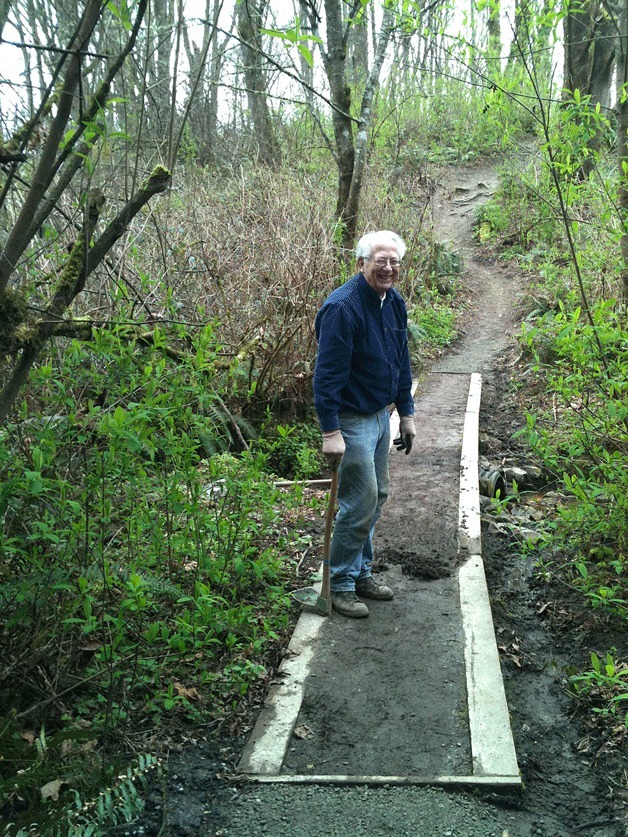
(350, 144)
(622, 143)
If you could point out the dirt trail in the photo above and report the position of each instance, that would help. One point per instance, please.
(387, 695)
(494, 293)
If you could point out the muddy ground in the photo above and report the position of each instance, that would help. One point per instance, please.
(572, 784)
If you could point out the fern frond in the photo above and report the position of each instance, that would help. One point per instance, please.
(119, 803)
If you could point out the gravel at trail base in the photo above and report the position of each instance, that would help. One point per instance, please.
(333, 811)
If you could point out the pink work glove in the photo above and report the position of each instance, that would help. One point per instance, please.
(407, 432)
(333, 448)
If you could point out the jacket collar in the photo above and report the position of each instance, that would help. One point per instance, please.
(370, 293)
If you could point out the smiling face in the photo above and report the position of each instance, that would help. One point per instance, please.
(381, 277)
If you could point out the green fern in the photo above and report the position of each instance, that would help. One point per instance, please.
(121, 802)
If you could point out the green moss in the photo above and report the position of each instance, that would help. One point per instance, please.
(157, 179)
(24, 333)
(12, 316)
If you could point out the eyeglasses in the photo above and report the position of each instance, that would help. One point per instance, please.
(384, 262)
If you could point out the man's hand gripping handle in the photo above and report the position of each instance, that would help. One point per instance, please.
(333, 448)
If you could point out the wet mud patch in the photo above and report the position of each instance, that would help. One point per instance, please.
(425, 564)
(567, 789)
(418, 529)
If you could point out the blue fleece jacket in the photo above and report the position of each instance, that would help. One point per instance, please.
(363, 363)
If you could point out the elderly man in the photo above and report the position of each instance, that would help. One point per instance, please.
(362, 366)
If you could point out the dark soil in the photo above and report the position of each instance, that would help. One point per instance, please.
(409, 695)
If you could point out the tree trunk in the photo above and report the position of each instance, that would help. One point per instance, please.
(5, 8)
(161, 94)
(38, 22)
(494, 45)
(590, 37)
(519, 46)
(340, 93)
(251, 14)
(307, 71)
(350, 212)
(358, 47)
(29, 74)
(208, 152)
(586, 48)
(173, 86)
(622, 143)
(350, 150)
(205, 70)
(542, 43)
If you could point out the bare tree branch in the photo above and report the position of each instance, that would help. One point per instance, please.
(17, 240)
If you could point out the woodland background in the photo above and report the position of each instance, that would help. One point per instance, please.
(179, 189)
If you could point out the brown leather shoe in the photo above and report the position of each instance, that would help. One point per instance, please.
(348, 604)
(368, 588)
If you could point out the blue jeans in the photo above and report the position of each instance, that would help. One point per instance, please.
(362, 491)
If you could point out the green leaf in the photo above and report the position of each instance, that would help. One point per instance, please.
(307, 55)
(121, 13)
(38, 459)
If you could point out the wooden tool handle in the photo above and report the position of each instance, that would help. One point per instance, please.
(329, 523)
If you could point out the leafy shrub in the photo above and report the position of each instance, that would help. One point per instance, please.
(604, 685)
(583, 436)
(431, 325)
(293, 450)
(97, 798)
(140, 577)
(491, 221)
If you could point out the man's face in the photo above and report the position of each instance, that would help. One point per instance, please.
(377, 270)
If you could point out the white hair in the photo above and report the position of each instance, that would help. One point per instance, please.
(365, 244)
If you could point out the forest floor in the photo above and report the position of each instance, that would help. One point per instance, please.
(369, 711)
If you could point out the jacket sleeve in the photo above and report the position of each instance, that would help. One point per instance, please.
(335, 332)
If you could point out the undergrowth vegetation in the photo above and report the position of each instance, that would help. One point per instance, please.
(575, 345)
(142, 582)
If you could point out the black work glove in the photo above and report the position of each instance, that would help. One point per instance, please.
(407, 432)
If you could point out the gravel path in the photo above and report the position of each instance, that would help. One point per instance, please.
(361, 812)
